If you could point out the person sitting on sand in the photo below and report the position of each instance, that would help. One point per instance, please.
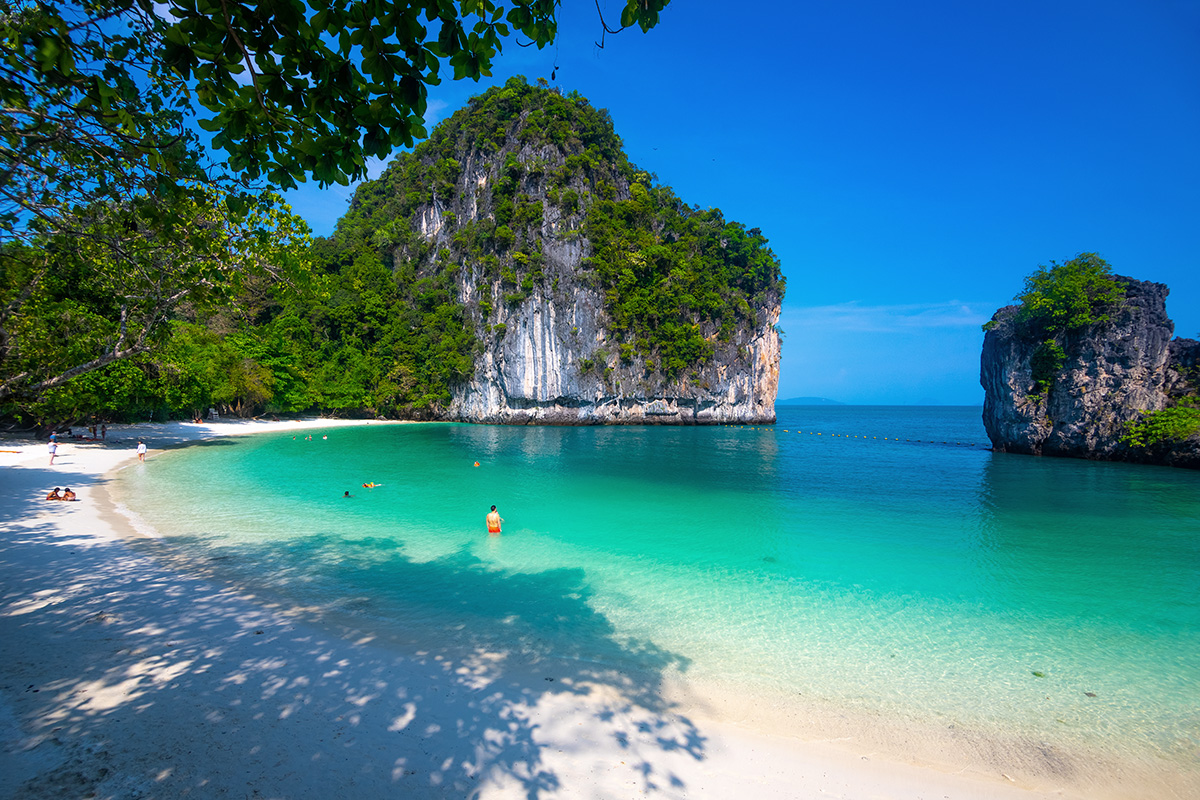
(54, 495)
(493, 522)
(68, 494)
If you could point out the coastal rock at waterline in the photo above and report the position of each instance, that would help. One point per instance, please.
(1113, 373)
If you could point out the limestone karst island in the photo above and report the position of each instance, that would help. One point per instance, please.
(579, 290)
(1086, 367)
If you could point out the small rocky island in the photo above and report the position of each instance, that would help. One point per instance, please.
(1100, 379)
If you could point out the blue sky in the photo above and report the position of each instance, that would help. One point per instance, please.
(909, 162)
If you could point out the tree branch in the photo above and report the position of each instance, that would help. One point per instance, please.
(605, 27)
(245, 56)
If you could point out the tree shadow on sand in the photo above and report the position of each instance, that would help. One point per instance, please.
(134, 681)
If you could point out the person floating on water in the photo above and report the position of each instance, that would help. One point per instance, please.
(493, 522)
(371, 485)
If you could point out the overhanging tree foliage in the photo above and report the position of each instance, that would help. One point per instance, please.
(318, 87)
(94, 93)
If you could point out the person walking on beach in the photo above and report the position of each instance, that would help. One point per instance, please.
(53, 447)
(493, 522)
(103, 431)
(141, 451)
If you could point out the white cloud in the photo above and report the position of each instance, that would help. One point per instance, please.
(433, 113)
(375, 167)
(907, 317)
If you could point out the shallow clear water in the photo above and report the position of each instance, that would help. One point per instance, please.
(927, 577)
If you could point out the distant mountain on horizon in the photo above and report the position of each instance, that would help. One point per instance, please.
(808, 401)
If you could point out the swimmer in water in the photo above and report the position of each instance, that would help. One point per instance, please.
(347, 494)
(493, 522)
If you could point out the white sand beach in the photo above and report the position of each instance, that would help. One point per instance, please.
(123, 674)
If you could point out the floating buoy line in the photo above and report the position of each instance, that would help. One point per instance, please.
(855, 436)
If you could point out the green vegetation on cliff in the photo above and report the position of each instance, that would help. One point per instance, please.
(1066, 297)
(673, 277)
(1163, 427)
(669, 272)
(1060, 299)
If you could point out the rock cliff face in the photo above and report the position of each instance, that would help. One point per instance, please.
(1113, 373)
(551, 358)
(547, 350)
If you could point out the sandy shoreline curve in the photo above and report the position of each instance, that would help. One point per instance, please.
(124, 676)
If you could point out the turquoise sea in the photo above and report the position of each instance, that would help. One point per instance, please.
(891, 564)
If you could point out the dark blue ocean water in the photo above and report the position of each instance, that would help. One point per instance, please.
(881, 558)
